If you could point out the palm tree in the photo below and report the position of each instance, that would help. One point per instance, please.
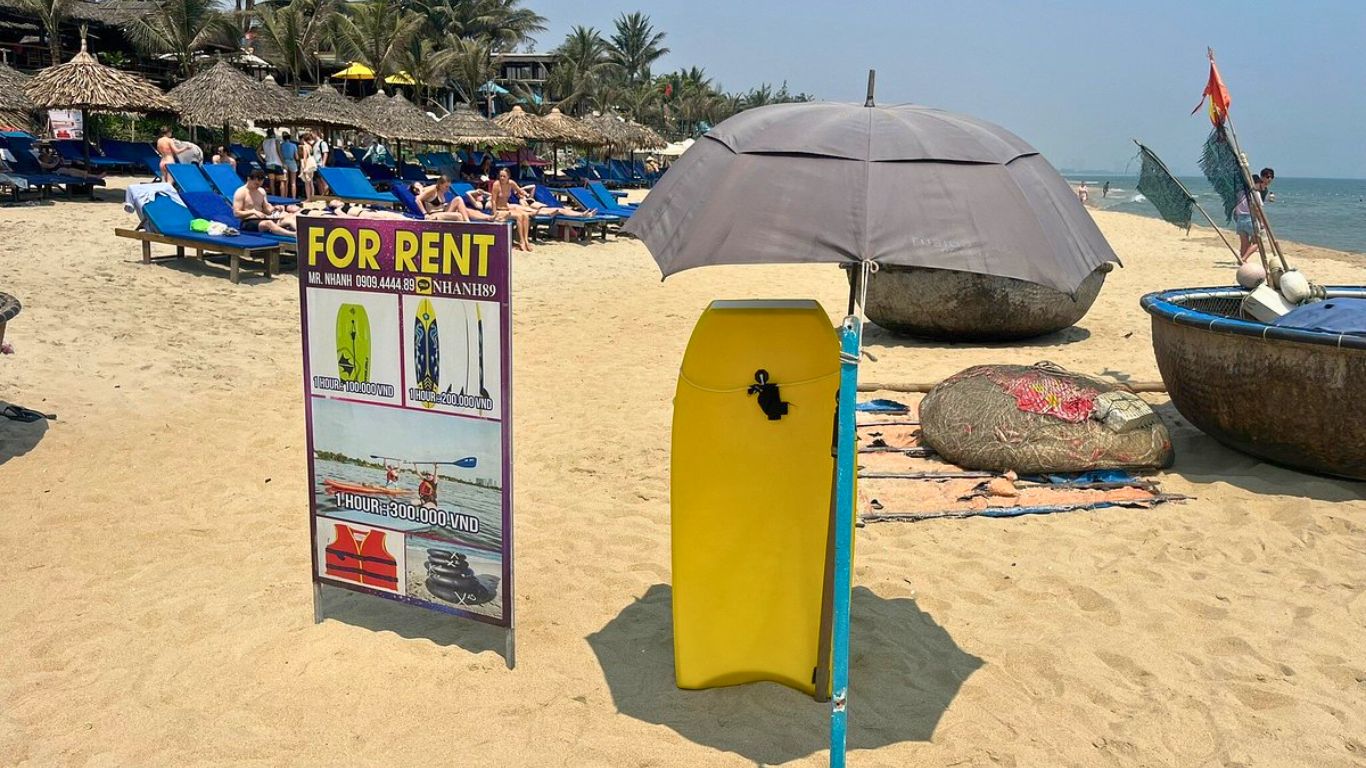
(504, 24)
(288, 35)
(375, 32)
(468, 64)
(581, 69)
(181, 28)
(51, 14)
(635, 46)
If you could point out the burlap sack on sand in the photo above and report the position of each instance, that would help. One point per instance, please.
(1040, 419)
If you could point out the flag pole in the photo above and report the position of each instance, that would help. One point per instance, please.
(1189, 197)
(1254, 198)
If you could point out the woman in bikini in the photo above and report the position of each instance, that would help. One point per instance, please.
(503, 208)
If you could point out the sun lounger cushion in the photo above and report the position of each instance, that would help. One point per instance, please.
(351, 183)
(172, 219)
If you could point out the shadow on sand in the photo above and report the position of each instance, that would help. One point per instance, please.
(876, 336)
(905, 670)
(1202, 460)
(18, 437)
(410, 621)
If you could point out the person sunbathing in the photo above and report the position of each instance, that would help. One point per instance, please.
(254, 211)
(528, 201)
(432, 200)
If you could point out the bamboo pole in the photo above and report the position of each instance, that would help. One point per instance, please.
(1254, 198)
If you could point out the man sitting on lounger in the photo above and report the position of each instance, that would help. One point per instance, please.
(254, 211)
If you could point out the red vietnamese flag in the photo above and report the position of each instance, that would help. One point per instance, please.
(1217, 93)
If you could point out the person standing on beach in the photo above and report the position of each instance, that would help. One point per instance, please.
(1083, 194)
(308, 163)
(1243, 222)
(289, 155)
(166, 148)
(275, 167)
(1105, 190)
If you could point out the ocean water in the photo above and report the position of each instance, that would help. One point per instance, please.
(1326, 212)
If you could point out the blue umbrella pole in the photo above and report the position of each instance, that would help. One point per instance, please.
(851, 338)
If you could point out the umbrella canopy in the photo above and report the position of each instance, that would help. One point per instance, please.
(398, 119)
(357, 71)
(612, 128)
(402, 78)
(904, 185)
(16, 109)
(572, 131)
(84, 83)
(645, 136)
(466, 127)
(222, 95)
(325, 104)
(524, 125)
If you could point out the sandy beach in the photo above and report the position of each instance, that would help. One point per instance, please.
(157, 603)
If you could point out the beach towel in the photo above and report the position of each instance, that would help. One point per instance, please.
(138, 195)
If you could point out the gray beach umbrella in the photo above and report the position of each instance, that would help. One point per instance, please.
(903, 185)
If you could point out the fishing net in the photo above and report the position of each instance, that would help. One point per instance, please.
(1041, 419)
(1157, 184)
(1220, 164)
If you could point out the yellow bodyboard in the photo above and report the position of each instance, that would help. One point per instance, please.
(750, 495)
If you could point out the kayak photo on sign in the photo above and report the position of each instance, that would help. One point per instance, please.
(410, 471)
(361, 554)
(451, 361)
(465, 578)
(354, 348)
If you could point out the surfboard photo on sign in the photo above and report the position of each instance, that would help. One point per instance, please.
(453, 364)
(354, 350)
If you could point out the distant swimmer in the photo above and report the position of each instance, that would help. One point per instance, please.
(1083, 194)
(1105, 190)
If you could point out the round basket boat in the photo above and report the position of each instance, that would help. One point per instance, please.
(1286, 395)
(948, 305)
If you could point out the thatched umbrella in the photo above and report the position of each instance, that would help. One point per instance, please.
(573, 131)
(464, 126)
(332, 107)
(612, 128)
(645, 136)
(16, 109)
(85, 84)
(222, 95)
(399, 120)
(523, 125)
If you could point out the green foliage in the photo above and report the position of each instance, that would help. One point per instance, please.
(181, 28)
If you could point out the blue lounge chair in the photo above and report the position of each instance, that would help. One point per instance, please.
(350, 184)
(211, 206)
(405, 196)
(544, 196)
(227, 181)
(71, 151)
(607, 197)
(246, 158)
(375, 172)
(168, 223)
(26, 167)
(411, 172)
(587, 201)
(188, 178)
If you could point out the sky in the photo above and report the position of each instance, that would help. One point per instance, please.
(1076, 80)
